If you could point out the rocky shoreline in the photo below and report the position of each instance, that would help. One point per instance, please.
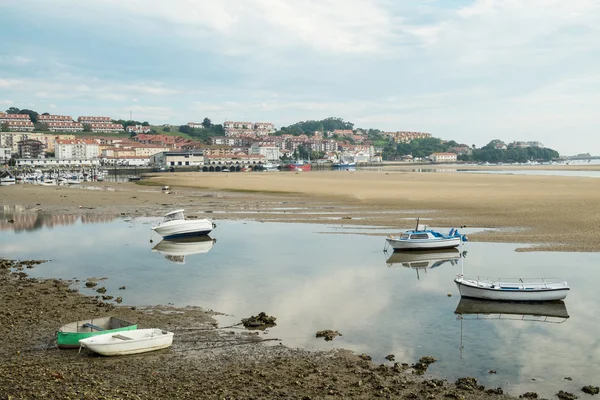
(204, 362)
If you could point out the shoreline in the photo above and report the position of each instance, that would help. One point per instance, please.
(245, 369)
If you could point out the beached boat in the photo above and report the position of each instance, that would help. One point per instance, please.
(175, 225)
(175, 250)
(299, 165)
(68, 335)
(512, 289)
(131, 342)
(134, 178)
(423, 238)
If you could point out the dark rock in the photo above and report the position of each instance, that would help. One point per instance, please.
(590, 389)
(562, 395)
(390, 357)
(328, 334)
(90, 284)
(492, 371)
(122, 288)
(495, 391)
(107, 297)
(261, 321)
(468, 383)
(423, 364)
(101, 290)
(529, 395)
(365, 357)
(568, 378)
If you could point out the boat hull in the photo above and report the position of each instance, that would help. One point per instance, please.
(133, 342)
(186, 228)
(467, 289)
(425, 244)
(69, 335)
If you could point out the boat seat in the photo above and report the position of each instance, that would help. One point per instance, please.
(88, 325)
(121, 337)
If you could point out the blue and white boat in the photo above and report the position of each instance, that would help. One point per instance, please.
(423, 238)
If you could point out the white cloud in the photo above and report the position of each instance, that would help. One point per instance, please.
(8, 82)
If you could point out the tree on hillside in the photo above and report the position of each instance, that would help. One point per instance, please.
(87, 128)
(185, 129)
(13, 110)
(309, 127)
(40, 126)
(145, 123)
(4, 127)
(33, 115)
(206, 123)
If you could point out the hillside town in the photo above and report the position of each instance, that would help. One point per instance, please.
(60, 140)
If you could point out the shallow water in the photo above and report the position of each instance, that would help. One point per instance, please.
(311, 281)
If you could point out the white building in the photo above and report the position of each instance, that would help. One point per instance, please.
(271, 153)
(443, 157)
(54, 162)
(76, 149)
(5, 154)
(188, 158)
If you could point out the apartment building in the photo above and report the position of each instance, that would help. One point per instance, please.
(5, 154)
(76, 149)
(187, 158)
(54, 118)
(270, 152)
(20, 125)
(4, 117)
(31, 148)
(105, 127)
(248, 128)
(64, 126)
(94, 120)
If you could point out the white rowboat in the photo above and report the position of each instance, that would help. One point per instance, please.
(542, 289)
(130, 342)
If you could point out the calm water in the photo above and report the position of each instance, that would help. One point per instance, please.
(311, 280)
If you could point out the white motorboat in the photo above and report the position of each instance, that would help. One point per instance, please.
(129, 342)
(175, 225)
(175, 250)
(423, 238)
(518, 289)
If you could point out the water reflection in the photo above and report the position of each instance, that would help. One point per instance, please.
(18, 219)
(549, 311)
(421, 261)
(175, 250)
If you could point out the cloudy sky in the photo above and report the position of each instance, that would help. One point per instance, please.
(468, 70)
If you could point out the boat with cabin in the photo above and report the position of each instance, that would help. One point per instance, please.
(175, 225)
(132, 342)
(68, 335)
(424, 238)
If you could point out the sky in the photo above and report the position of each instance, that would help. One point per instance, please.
(467, 70)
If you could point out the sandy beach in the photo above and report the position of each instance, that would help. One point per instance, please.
(550, 213)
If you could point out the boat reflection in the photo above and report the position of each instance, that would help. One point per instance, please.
(554, 312)
(548, 311)
(422, 260)
(175, 250)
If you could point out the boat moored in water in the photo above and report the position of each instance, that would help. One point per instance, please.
(512, 289)
(174, 225)
(423, 238)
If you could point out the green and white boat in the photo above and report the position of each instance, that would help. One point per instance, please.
(68, 335)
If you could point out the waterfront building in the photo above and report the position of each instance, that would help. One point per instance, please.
(443, 157)
(5, 154)
(188, 158)
(76, 149)
(271, 153)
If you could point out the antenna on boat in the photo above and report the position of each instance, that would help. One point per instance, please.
(417, 228)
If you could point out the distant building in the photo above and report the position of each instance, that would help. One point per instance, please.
(105, 127)
(30, 148)
(94, 120)
(4, 117)
(195, 125)
(443, 157)
(64, 126)
(54, 118)
(76, 149)
(137, 129)
(5, 154)
(271, 153)
(168, 159)
(20, 125)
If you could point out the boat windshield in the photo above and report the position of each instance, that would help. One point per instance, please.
(419, 236)
(173, 217)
